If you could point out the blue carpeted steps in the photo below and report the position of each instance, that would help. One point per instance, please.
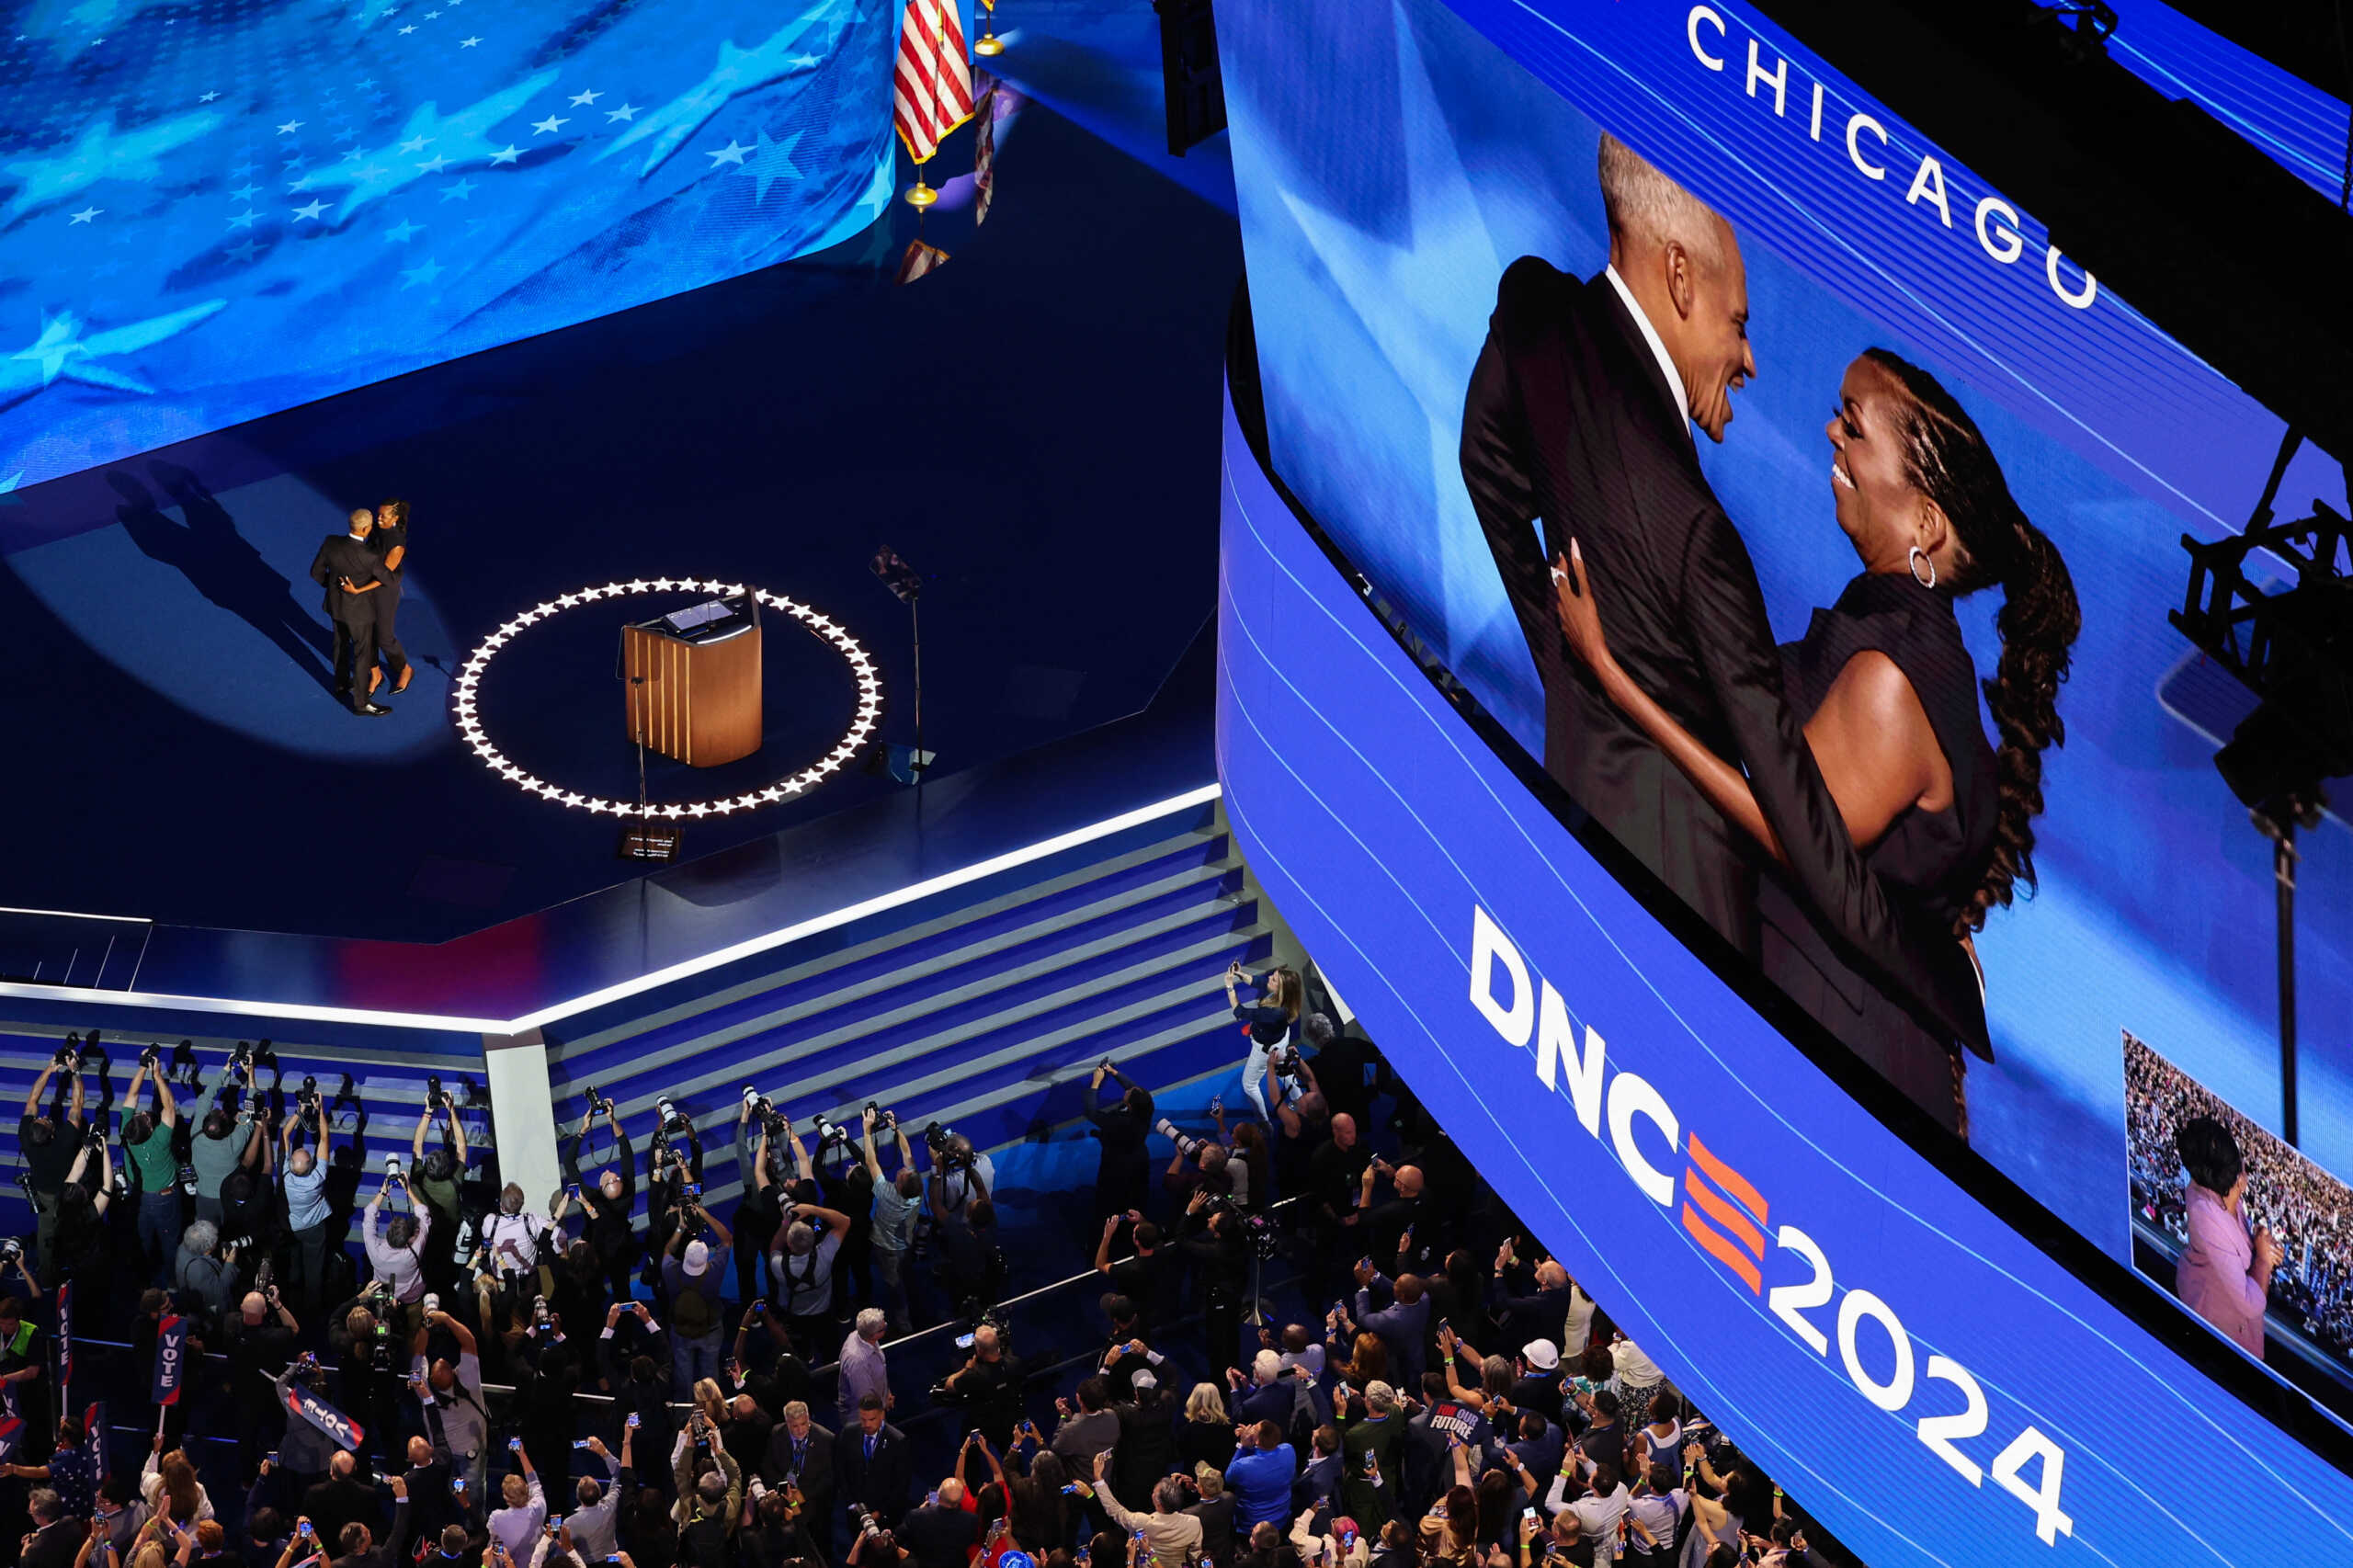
(983, 1007)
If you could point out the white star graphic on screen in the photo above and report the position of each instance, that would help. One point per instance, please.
(425, 275)
(244, 219)
(406, 30)
(296, 186)
(627, 111)
(773, 163)
(62, 350)
(805, 61)
(84, 215)
(244, 250)
(98, 152)
(433, 166)
(416, 144)
(581, 99)
(402, 231)
(289, 128)
(734, 153)
(432, 16)
(548, 126)
(467, 43)
(507, 154)
(739, 71)
(457, 192)
(312, 210)
(207, 97)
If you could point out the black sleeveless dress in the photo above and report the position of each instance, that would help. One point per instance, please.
(1931, 863)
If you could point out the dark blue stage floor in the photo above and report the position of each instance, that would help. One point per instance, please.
(1033, 425)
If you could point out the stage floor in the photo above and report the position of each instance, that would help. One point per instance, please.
(1033, 425)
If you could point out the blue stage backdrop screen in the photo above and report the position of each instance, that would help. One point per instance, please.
(1393, 160)
(211, 212)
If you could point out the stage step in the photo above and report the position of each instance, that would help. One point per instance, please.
(985, 1012)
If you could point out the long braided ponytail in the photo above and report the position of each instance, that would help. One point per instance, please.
(1946, 458)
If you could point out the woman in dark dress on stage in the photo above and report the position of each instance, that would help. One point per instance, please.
(1887, 694)
(390, 542)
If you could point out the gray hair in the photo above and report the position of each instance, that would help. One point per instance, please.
(1267, 1366)
(871, 1322)
(1168, 1495)
(1646, 209)
(1380, 1396)
(796, 1407)
(43, 1503)
(201, 1237)
(799, 1238)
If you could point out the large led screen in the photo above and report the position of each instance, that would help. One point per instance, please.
(1878, 497)
(209, 213)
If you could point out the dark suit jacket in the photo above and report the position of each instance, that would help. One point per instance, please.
(816, 1470)
(882, 1482)
(1569, 420)
(340, 555)
(57, 1546)
(333, 1504)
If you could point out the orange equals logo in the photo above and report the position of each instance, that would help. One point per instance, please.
(1735, 1238)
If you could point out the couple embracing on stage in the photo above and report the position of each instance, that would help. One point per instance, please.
(360, 570)
(1833, 807)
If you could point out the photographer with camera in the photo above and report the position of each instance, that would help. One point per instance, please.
(608, 1203)
(711, 1496)
(49, 1142)
(988, 1385)
(308, 1210)
(897, 1202)
(668, 1175)
(224, 1141)
(759, 1161)
(801, 1268)
(147, 1143)
(396, 1250)
(960, 1175)
(259, 1339)
(1123, 1176)
(439, 1174)
(1212, 1241)
(205, 1274)
(692, 1275)
(511, 1236)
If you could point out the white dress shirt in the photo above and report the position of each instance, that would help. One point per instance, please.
(1658, 348)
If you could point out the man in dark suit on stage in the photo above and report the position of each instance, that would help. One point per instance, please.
(1580, 414)
(350, 572)
(872, 1466)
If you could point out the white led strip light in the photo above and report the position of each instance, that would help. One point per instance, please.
(869, 702)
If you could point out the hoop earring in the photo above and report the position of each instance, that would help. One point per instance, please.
(1914, 557)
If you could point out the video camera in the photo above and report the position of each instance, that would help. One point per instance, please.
(1186, 1144)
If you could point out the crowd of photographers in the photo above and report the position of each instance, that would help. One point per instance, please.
(415, 1364)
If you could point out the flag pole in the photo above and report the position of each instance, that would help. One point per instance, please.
(988, 43)
(922, 196)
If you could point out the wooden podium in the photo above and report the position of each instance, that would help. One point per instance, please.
(694, 693)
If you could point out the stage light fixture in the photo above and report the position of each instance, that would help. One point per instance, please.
(465, 701)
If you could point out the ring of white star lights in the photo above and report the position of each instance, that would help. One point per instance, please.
(861, 726)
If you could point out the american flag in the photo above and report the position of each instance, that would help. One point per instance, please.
(932, 87)
(920, 260)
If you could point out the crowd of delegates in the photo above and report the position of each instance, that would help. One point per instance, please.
(624, 1376)
(2257, 1227)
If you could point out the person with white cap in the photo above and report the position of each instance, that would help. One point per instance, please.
(1537, 1385)
(1147, 1442)
(691, 1276)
